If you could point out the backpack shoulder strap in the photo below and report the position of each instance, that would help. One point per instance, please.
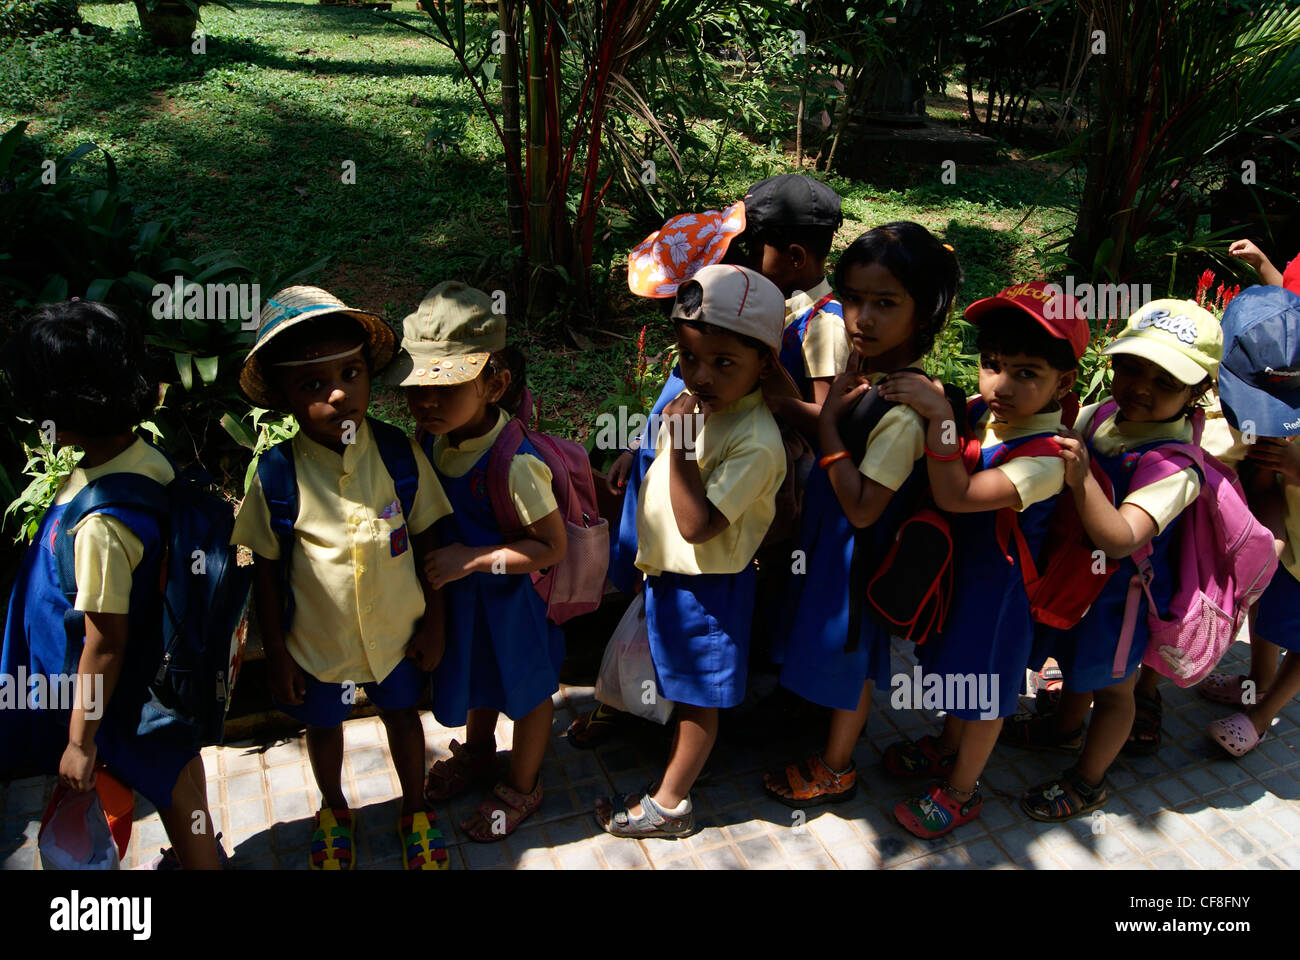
(504, 448)
(1103, 413)
(820, 305)
(395, 450)
(279, 480)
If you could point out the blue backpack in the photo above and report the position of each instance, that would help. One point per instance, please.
(204, 591)
(279, 479)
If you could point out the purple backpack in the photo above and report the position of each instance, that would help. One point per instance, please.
(1225, 559)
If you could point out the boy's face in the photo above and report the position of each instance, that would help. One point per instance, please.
(441, 410)
(329, 398)
(1146, 392)
(1017, 386)
(879, 314)
(717, 367)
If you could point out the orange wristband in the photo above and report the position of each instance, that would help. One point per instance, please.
(830, 458)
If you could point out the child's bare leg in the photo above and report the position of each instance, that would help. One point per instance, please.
(1148, 683)
(325, 750)
(188, 821)
(1263, 665)
(978, 738)
(481, 729)
(1284, 687)
(846, 727)
(406, 743)
(1112, 720)
(532, 731)
(697, 729)
(1072, 710)
(950, 737)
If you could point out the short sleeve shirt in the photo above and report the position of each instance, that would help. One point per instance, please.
(893, 448)
(1166, 498)
(741, 460)
(1035, 478)
(529, 480)
(1221, 439)
(105, 551)
(357, 596)
(826, 346)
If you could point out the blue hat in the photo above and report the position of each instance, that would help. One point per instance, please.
(1259, 379)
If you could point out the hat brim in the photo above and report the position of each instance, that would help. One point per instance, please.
(414, 369)
(1179, 364)
(1268, 414)
(779, 383)
(641, 284)
(381, 343)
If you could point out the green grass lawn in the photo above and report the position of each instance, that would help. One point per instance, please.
(249, 140)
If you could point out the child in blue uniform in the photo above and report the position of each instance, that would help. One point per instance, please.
(351, 608)
(1029, 343)
(1165, 360)
(705, 506)
(77, 364)
(897, 282)
(503, 655)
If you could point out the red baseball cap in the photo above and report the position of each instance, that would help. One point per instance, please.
(1047, 303)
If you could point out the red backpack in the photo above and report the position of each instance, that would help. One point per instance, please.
(575, 585)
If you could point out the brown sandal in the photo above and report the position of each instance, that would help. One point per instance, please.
(466, 767)
(497, 818)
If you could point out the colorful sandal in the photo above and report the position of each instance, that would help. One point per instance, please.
(812, 783)
(1039, 733)
(331, 843)
(423, 847)
(936, 812)
(1144, 739)
(1054, 801)
(594, 727)
(1225, 689)
(1236, 734)
(496, 819)
(654, 820)
(466, 767)
(919, 758)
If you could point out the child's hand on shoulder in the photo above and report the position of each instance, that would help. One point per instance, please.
(919, 392)
(1277, 454)
(846, 389)
(1074, 451)
(427, 645)
(448, 564)
(77, 767)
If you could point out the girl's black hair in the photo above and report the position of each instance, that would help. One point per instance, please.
(927, 269)
(690, 297)
(509, 358)
(82, 366)
(1011, 331)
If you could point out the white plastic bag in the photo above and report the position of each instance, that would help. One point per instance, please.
(77, 835)
(627, 674)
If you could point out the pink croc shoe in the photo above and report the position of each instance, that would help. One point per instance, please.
(1224, 688)
(1236, 734)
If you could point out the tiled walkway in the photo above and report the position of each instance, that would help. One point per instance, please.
(1188, 806)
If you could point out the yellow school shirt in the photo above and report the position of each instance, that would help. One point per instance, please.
(355, 602)
(1221, 439)
(1165, 499)
(1035, 478)
(741, 460)
(105, 551)
(826, 341)
(894, 446)
(529, 480)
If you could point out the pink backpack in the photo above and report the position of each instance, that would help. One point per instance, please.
(1225, 560)
(576, 584)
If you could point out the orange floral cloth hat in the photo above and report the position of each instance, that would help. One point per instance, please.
(676, 251)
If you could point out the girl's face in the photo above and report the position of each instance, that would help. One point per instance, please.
(1146, 392)
(880, 316)
(460, 410)
(717, 367)
(1017, 386)
(329, 398)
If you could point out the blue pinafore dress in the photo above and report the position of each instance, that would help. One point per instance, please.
(141, 746)
(502, 653)
(813, 620)
(990, 631)
(1086, 652)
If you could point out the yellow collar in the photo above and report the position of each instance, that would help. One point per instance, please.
(748, 402)
(352, 452)
(473, 444)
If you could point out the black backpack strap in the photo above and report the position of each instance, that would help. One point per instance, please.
(114, 490)
(395, 451)
(279, 480)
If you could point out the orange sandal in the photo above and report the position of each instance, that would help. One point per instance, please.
(812, 783)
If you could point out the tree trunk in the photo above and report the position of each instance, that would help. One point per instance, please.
(539, 227)
(506, 13)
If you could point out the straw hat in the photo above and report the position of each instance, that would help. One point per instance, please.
(292, 307)
(448, 338)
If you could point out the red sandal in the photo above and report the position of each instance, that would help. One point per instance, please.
(812, 783)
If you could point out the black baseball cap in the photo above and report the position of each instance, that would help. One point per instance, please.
(791, 200)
